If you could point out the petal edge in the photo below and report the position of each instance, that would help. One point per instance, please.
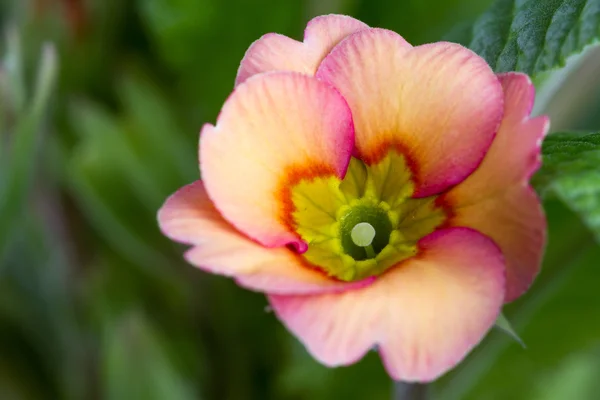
(424, 315)
(439, 103)
(274, 52)
(188, 216)
(276, 128)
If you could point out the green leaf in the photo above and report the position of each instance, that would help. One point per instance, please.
(570, 170)
(504, 324)
(534, 36)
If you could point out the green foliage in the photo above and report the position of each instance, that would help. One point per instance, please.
(570, 170)
(96, 303)
(134, 350)
(17, 162)
(574, 379)
(190, 34)
(532, 36)
(103, 175)
(327, 383)
(417, 21)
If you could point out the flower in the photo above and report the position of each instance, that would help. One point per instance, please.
(376, 192)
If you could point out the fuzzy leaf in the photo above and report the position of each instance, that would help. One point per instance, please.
(571, 170)
(533, 36)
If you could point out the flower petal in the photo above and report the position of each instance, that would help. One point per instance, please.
(274, 52)
(515, 221)
(515, 153)
(189, 216)
(424, 315)
(497, 200)
(274, 130)
(440, 104)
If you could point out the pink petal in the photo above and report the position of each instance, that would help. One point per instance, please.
(274, 130)
(189, 217)
(274, 52)
(424, 315)
(497, 200)
(440, 104)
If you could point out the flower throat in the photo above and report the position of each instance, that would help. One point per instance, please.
(364, 224)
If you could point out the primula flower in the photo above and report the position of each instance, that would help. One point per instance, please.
(376, 192)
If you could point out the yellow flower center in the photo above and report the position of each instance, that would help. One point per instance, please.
(368, 222)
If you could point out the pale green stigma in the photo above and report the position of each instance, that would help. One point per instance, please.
(362, 235)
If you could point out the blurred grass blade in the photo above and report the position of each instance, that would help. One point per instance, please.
(21, 162)
(105, 140)
(110, 226)
(45, 82)
(159, 135)
(13, 64)
(108, 180)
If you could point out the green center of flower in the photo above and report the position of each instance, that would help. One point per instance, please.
(364, 231)
(365, 224)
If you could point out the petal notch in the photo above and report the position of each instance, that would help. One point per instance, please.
(274, 52)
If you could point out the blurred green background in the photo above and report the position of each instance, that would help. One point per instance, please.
(98, 130)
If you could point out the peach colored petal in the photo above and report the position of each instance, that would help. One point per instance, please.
(274, 129)
(439, 103)
(189, 217)
(497, 200)
(274, 52)
(515, 220)
(424, 315)
(515, 153)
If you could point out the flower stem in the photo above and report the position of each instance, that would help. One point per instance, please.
(410, 391)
